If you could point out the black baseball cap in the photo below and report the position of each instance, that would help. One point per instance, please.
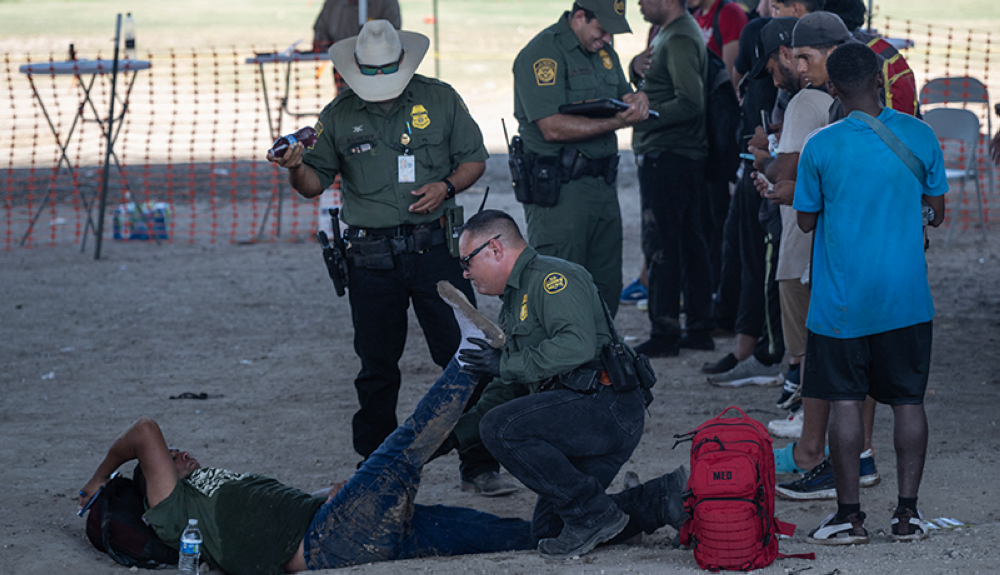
(774, 35)
(610, 14)
(819, 28)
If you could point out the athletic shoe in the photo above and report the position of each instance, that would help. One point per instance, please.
(642, 305)
(696, 340)
(722, 366)
(489, 484)
(659, 347)
(835, 530)
(869, 473)
(790, 427)
(634, 292)
(908, 525)
(577, 539)
(817, 483)
(791, 391)
(748, 372)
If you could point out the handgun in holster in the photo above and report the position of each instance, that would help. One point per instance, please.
(335, 254)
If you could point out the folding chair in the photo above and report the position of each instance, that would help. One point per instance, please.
(965, 90)
(961, 125)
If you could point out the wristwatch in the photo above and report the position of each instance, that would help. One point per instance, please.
(451, 189)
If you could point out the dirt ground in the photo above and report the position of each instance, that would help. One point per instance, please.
(87, 346)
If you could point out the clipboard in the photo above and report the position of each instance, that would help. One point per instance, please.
(602, 108)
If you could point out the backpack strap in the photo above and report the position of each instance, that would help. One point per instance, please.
(895, 144)
(787, 529)
(715, 25)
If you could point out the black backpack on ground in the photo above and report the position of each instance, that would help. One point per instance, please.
(115, 526)
(722, 115)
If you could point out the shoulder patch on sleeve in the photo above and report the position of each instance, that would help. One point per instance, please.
(545, 71)
(554, 283)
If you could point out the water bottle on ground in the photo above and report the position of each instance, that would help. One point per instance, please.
(306, 135)
(129, 37)
(190, 549)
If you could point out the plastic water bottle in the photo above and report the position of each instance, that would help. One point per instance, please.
(129, 37)
(190, 549)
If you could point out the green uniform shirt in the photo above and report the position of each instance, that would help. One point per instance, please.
(362, 143)
(554, 69)
(250, 524)
(554, 323)
(675, 85)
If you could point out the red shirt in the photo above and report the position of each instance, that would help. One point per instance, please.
(732, 19)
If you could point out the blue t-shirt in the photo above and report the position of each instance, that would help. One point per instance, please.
(869, 274)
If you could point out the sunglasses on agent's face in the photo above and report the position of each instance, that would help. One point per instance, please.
(390, 68)
(464, 262)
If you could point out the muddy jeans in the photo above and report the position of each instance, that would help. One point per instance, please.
(373, 518)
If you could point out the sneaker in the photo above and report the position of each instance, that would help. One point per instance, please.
(833, 530)
(790, 427)
(791, 390)
(489, 484)
(748, 372)
(659, 347)
(817, 483)
(577, 539)
(869, 473)
(908, 525)
(696, 340)
(722, 366)
(642, 305)
(634, 292)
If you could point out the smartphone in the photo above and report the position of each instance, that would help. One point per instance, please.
(748, 157)
(96, 495)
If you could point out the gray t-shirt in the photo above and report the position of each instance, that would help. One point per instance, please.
(807, 112)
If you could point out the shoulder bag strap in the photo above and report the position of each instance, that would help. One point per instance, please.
(894, 143)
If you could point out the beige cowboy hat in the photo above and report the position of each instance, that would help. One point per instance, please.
(379, 44)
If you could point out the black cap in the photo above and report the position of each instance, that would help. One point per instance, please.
(819, 28)
(774, 34)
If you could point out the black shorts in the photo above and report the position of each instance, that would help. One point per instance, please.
(891, 367)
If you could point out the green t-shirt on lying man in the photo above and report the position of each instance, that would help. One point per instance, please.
(250, 524)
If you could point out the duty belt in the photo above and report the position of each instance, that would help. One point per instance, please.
(405, 238)
(588, 378)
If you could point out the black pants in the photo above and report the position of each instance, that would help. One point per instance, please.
(379, 302)
(673, 242)
(714, 212)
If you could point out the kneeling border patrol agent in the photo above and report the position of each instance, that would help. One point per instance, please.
(565, 408)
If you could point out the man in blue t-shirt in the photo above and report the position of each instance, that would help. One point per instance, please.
(871, 309)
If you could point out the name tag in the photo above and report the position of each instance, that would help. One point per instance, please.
(407, 169)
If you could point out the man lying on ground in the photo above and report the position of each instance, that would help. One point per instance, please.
(252, 524)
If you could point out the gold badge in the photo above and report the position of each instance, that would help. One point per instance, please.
(555, 282)
(419, 117)
(524, 307)
(620, 7)
(404, 139)
(545, 71)
(606, 58)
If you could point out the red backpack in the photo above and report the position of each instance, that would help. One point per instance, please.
(730, 496)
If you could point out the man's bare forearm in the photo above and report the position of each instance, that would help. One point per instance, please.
(305, 181)
(568, 128)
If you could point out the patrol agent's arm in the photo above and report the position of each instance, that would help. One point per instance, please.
(434, 194)
(570, 335)
(541, 88)
(496, 393)
(571, 128)
(300, 176)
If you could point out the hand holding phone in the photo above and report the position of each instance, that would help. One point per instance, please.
(96, 495)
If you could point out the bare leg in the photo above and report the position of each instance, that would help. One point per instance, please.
(910, 441)
(846, 441)
(744, 346)
(869, 419)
